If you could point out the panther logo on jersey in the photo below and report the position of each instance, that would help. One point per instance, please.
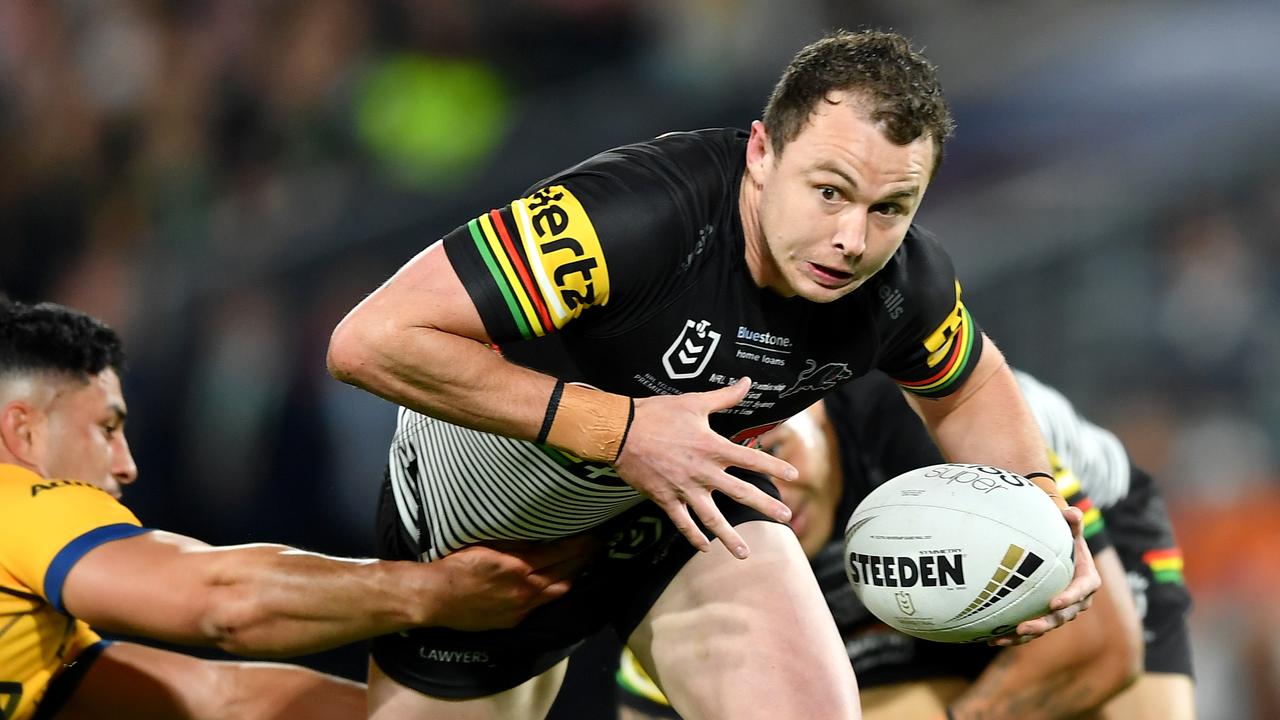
(815, 377)
(692, 350)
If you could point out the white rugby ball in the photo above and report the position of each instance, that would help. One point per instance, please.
(957, 553)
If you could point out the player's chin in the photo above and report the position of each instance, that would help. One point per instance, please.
(820, 293)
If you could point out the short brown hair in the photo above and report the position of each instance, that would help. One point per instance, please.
(899, 85)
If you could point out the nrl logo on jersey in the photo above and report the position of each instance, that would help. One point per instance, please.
(689, 354)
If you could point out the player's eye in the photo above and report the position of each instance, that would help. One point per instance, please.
(888, 209)
(829, 193)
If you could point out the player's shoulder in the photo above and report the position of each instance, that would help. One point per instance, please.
(702, 164)
(21, 490)
(712, 147)
(921, 256)
(919, 276)
(17, 482)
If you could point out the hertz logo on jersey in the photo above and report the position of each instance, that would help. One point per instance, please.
(950, 349)
(545, 258)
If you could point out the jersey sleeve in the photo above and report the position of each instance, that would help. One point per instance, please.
(46, 526)
(930, 342)
(600, 241)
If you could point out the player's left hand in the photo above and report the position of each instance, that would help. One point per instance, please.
(1073, 600)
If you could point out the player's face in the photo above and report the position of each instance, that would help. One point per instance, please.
(814, 496)
(836, 203)
(86, 434)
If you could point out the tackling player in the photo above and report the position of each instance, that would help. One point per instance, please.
(74, 560)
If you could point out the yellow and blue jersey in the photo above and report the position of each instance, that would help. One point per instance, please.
(46, 526)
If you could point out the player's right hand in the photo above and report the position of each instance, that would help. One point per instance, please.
(496, 585)
(674, 457)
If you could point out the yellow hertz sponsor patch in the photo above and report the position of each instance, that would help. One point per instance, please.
(939, 342)
(564, 252)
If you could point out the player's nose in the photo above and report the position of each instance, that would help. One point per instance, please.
(851, 233)
(123, 467)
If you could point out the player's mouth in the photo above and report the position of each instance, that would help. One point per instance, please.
(828, 277)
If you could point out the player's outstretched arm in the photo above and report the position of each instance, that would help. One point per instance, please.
(987, 421)
(275, 601)
(1069, 673)
(144, 683)
(419, 342)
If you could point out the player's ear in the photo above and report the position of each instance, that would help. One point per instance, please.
(760, 157)
(22, 432)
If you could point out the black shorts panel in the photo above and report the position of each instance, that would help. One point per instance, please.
(1165, 630)
(1141, 531)
(883, 656)
(642, 551)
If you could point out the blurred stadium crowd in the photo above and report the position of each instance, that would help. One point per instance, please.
(222, 180)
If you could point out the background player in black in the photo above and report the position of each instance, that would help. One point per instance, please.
(797, 243)
(864, 434)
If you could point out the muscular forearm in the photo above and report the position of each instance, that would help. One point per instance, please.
(418, 341)
(268, 691)
(1012, 690)
(145, 683)
(274, 601)
(442, 375)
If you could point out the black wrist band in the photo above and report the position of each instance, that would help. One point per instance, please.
(951, 715)
(552, 406)
(631, 415)
(1044, 475)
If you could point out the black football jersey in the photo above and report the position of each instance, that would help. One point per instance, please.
(634, 261)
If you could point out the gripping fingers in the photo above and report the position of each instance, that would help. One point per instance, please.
(714, 521)
(680, 517)
(1031, 629)
(1084, 583)
(551, 592)
(762, 462)
(1075, 520)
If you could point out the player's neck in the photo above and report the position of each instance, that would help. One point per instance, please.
(752, 235)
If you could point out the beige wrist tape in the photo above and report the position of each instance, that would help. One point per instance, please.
(1046, 482)
(591, 424)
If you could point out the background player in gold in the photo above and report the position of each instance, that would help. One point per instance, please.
(72, 558)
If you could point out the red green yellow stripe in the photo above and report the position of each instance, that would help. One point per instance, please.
(1165, 564)
(1069, 486)
(1092, 517)
(491, 262)
(512, 270)
(955, 365)
(530, 286)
